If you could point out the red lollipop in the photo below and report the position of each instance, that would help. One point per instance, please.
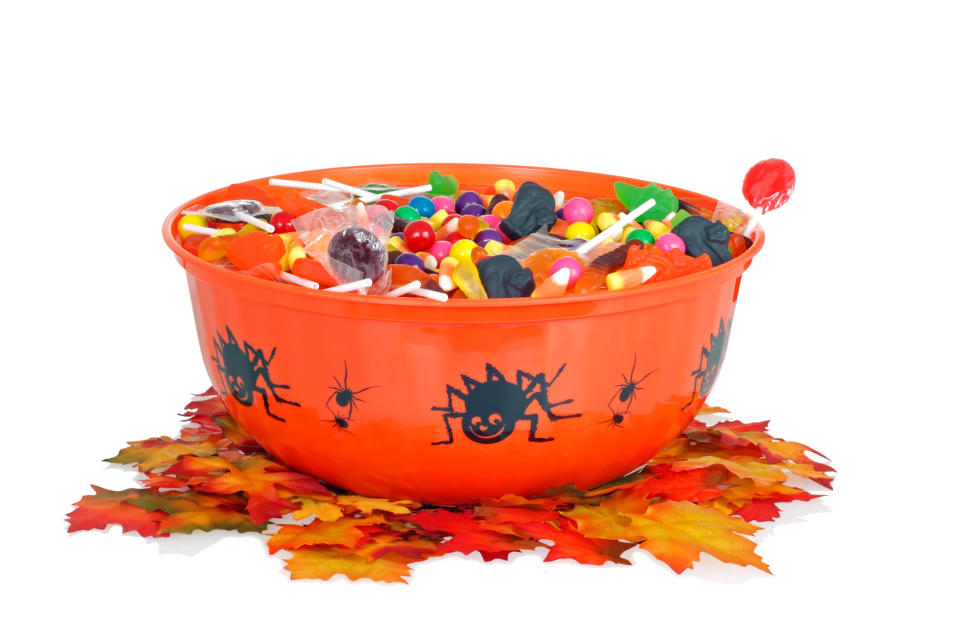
(767, 186)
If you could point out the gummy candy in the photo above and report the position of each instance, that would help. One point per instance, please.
(532, 209)
(503, 277)
(443, 185)
(632, 197)
(467, 279)
(246, 251)
(540, 262)
(703, 236)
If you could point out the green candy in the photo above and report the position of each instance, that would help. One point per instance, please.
(443, 185)
(407, 212)
(644, 236)
(378, 188)
(681, 216)
(632, 197)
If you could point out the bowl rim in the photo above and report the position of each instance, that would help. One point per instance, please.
(489, 310)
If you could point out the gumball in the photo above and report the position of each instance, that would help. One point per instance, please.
(282, 222)
(473, 209)
(505, 186)
(669, 241)
(408, 213)
(574, 266)
(443, 203)
(477, 254)
(192, 219)
(453, 237)
(580, 230)
(467, 198)
(423, 205)
(468, 226)
(502, 209)
(491, 221)
(494, 247)
(410, 259)
(419, 236)
(644, 236)
(461, 249)
(192, 243)
(440, 249)
(485, 236)
(578, 210)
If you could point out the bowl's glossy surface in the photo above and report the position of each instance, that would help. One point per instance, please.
(447, 402)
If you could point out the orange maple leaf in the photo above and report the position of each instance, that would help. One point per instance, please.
(343, 532)
(108, 507)
(324, 563)
(189, 511)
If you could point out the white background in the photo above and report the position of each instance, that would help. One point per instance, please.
(845, 335)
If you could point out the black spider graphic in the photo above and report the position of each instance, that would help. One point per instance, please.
(345, 398)
(626, 393)
(242, 368)
(710, 359)
(492, 408)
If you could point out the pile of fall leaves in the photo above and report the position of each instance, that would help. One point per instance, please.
(702, 494)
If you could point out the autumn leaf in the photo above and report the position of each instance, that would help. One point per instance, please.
(324, 563)
(190, 511)
(570, 544)
(370, 504)
(108, 507)
(343, 532)
(207, 404)
(151, 454)
(324, 510)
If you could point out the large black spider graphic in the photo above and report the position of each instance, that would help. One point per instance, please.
(242, 368)
(710, 359)
(492, 408)
(626, 393)
(345, 398)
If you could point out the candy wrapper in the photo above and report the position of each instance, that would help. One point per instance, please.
(237, 211)
(351, 243)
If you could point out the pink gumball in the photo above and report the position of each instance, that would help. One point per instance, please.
(492, 221)
(575, 268)
(578, 210)
(669, 241)
(440, 250)
(443, 203)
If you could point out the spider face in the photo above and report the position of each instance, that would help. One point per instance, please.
(491, 409)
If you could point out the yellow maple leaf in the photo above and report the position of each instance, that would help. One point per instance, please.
(342, 532)
(323, 509)
(324, 563)
(369, 504)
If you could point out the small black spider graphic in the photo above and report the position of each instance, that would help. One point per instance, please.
(710, 359)
(242, 368)
(345, 398)
(625, 394)
(492, 408)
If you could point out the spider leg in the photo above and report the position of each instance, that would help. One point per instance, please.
(328, 403)
(542, 395)
(492, 374)
(346, 373)
(632, 372)
(533, 423)
(698, 375)
(266, 403)
(449, 430)
(450, 391)
(263, 372)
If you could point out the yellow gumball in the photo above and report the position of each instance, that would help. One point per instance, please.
(580, 230)
(462, 249)
(505, 186)
(494, 247)
(192, 219)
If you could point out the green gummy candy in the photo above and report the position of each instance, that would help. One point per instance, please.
(632, 197)
(443, 185)
(681, 216)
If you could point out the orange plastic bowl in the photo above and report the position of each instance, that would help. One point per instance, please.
(450, 402)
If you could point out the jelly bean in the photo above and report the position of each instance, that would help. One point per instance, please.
(282, 222)
(505, 186)
(249, 250)
(295, 253)
(443, 185)
(419, 236)
(502, 210)
(570, 263)
(737, 244)
(192, 219)
(468, 198)
(642, 235)
(192, 243)
(423, 205)
(467, 279)
(447, 265)
(461, 250)
(578, 210)
(396, 243)
(428, 260)
(452, 237)
(605, 219)
(491, 221)
(669, 241)
(468, 226)
(624, 279)
(656, 228)
(388, 204)
(443, 203)
(473, 209)
(312, 270)
(485, 236)
(495, 200)
(494, 247)
(580, 230)
(407, 212)
(440, 249)
(477, 254)
(410, 259)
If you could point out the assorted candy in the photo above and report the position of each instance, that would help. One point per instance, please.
(438, 241)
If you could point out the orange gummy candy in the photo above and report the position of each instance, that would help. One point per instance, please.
(540, 261)
(247, 251)
(213, 249)
(312, 270)
(403, 274)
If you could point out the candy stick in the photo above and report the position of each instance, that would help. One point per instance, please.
(430, 294)
(355, 191)
(616, 229)
(350, 287)
(404, 289)
(199, 229)
(283, 182)
(255, 222)
(299, 280)
(404, 191)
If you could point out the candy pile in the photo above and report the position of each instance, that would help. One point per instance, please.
(438, 242)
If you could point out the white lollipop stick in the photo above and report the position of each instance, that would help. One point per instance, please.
(355, 191)
(255, 222)
(404, 289)
(286, 277)
(283, 182)
(750, 225)
(199, 229)
(405, 191)
(442, 297)
(616, 229)
(350, 287)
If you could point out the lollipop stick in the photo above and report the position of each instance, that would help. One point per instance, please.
(430, 294)
(750, 225)
(404, 289)
(255, 222)
(349, 189)
(286, 277)
(616, 229)
(199, 229)
(405, 191)
(350, 287)
(282, 182)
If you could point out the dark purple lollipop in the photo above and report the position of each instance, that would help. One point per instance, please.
(358, 248)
